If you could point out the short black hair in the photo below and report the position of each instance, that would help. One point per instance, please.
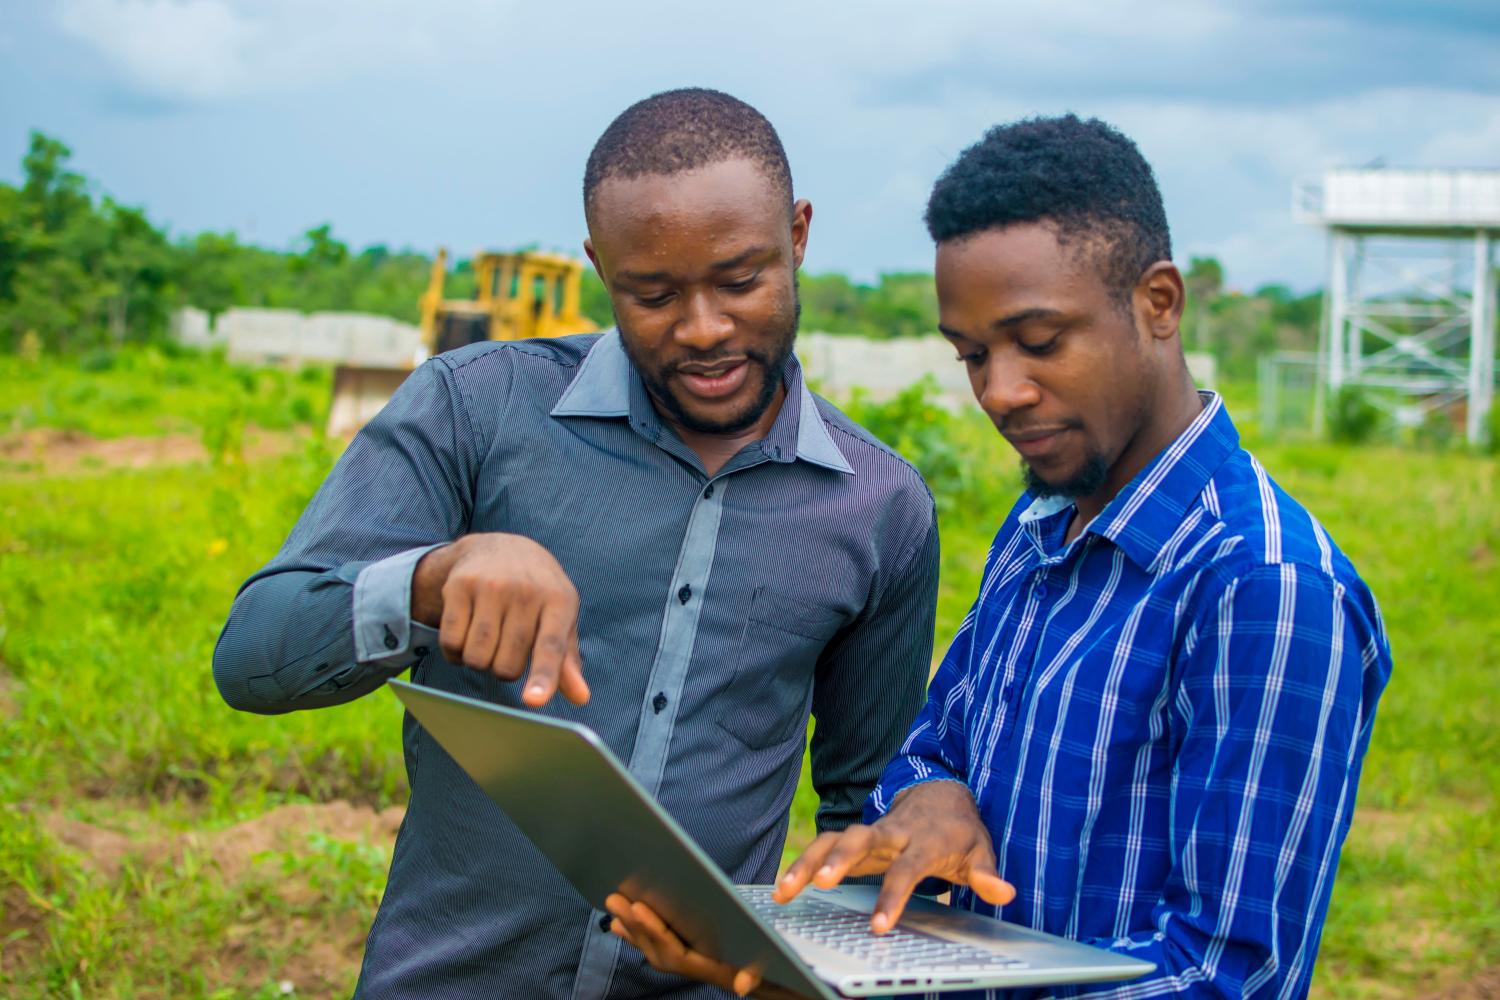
(1084, 177)
(685, 129)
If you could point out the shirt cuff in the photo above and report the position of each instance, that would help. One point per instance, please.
(384, 632)
(901, 774)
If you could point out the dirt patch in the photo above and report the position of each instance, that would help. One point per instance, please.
(1384, 829)
(316, 947)
(234, 849)
(328, 954)
(50, 451)
(1484, 986)
(286, 828)
(9, 694)
(22, 932)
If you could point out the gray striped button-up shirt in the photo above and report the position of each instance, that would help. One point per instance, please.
(716, 613)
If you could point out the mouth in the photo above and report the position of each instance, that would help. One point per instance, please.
(1036, 443)
(714, 381)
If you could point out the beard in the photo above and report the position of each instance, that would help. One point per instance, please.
(768, 363)
(1088, 480)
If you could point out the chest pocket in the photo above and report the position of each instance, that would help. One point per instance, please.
(766, 701)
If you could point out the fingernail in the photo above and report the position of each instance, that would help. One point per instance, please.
(825, 870)
(788, 878)
(536, 689)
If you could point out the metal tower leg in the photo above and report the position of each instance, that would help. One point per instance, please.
(1338, 311)
(1481, 341)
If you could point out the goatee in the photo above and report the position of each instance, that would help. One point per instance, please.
(771, 362)
(1087, 481)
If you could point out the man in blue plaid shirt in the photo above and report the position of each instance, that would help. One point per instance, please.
(1148, 732)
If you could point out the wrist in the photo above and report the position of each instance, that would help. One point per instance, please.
(427, 580)
(934, 790)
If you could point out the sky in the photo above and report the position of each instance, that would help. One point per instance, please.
(466, 123)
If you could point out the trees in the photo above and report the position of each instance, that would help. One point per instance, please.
(83, 271)
(901, 304)
(74, 272)
(1237, 329)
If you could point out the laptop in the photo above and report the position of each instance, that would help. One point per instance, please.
(584, 811)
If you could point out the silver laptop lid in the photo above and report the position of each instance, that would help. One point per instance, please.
(520, 759)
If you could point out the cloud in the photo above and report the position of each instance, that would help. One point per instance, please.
(1231, 101)
(193, 50)
(1227, 173)
(1245, 54)
(201, 51)
(885, 54)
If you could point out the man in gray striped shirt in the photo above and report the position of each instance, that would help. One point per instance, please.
(662, 523)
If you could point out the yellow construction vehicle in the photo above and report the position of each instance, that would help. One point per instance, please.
(519, 295)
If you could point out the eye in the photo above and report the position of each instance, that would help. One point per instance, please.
(654, 301)
(1037, 350)
(740, 286)
(974, 357)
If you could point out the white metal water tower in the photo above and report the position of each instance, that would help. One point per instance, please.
(1410, 305)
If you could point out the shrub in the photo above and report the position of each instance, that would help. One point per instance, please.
(101, 360)
(914, 424)
(1353, 418)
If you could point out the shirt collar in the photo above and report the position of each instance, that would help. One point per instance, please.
(1143, 516)
(607, 384)
(602, 386)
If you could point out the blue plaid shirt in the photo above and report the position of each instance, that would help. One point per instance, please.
(1163, 722)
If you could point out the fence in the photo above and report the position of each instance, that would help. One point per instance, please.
(285, 336)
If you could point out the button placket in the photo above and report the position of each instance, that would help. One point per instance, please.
(1035, 624)
(658, 713)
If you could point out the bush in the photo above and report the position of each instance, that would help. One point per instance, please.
(100, 360)
(921, 430)
(1436, 432)
(1353, 418)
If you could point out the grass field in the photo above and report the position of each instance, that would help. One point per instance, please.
(157, 844)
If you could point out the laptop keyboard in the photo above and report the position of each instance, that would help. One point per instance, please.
(848, 931)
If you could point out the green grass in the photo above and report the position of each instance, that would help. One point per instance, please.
(113, 586)
(110, 394)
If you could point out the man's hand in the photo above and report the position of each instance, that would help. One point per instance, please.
(638, 924)
(501, 601)
(932, 829)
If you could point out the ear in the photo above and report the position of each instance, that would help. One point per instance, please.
(801, 224)
(593, 256)
(1159, 299)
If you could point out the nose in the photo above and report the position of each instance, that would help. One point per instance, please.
(704, 326)
(1002, 387)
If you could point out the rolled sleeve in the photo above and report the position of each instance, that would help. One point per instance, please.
(329, 618)
(384, 633)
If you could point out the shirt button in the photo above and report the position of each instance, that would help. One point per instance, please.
(659, 702)
(604, 920)
(391, 642)
(421, 651)
(708, 492)
(685, 593)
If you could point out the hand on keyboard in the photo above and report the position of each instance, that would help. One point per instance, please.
(932, 829)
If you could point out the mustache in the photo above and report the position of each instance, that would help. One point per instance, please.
(712, 359)
(1016, 429)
